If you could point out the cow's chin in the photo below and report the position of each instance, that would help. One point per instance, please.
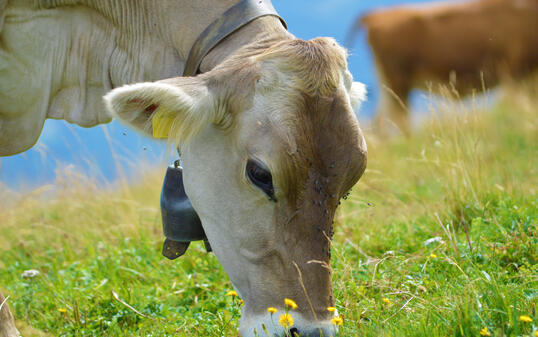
(253, 326)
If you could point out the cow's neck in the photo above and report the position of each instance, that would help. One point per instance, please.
(266, 29)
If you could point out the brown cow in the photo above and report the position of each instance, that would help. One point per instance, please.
(466, 44)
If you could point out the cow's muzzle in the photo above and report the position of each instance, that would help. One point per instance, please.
(181, 224)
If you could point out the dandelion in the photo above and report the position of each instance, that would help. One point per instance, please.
(271, 310)
(285, 320)
(525, 318)
(484, 332)
(535, 334)
(433, 256)
(386, 301)
(331, 309)
(337, 320)
(241, 302)
(290, 303)
(62, 310)
(232, 293)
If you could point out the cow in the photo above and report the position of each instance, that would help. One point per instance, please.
(465, 45)
(7, 323)
(265, 123)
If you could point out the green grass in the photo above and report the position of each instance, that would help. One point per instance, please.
(468, 179)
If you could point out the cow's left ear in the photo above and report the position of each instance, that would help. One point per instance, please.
(181, 106)
(357, 95)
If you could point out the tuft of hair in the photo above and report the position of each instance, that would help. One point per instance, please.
(318, 63)
(357, 95)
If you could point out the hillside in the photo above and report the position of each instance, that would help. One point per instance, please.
(439, 238)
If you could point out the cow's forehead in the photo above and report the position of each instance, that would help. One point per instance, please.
(300, 136)
(314, 67)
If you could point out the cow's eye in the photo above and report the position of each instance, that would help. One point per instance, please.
(260, 176)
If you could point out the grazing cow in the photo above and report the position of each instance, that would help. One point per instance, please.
(464, 44)
(267, 132)
(7, 323)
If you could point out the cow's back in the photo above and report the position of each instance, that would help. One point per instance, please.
(475, 41)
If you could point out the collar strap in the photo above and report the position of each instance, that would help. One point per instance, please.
(233, 19)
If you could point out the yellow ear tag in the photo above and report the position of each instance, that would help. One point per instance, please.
(162, 122)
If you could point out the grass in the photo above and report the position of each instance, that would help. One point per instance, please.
(439, 238)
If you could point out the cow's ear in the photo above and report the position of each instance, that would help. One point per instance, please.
(176, 106)
(357, 95)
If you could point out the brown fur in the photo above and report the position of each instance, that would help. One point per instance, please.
(7, 323)
(328, 161)
(464, 44)
(317, 66)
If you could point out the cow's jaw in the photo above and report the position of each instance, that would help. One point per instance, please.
(248, 242)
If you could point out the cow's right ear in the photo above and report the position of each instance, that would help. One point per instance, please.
(177, 107)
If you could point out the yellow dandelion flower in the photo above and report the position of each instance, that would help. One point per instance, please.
(484, 332)
(290, 303)
(285, 320)
(386, 300)
(232, 293)
(337, 320)
(62, 310)
(535, 334)
(525, 318)
(331, 309)
(433, 256)
(271, 310)
(241, 302)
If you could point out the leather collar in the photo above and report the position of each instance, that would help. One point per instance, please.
(233, 19)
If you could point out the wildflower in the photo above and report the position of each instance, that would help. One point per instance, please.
(386, 301)
(525, 318)
(62, 310)
(535, 334)
(232, 293)
(433, 256)
(331, 309)
(484, 332)
(290, 303)
(285, 320)
(337, 320)
(30, 273)
(271, 310)
(241, 302)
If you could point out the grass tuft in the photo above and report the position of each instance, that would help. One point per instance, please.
(439, 238)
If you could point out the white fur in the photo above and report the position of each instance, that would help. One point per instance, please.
(357, 95)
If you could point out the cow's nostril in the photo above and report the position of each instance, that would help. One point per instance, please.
(294, 332)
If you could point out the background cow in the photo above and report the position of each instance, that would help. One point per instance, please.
(467, 45)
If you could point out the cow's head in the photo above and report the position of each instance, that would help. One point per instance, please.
(269, 144)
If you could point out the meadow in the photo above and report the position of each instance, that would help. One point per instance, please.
(439, 238)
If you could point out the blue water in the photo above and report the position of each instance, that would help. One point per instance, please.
(109, 150)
